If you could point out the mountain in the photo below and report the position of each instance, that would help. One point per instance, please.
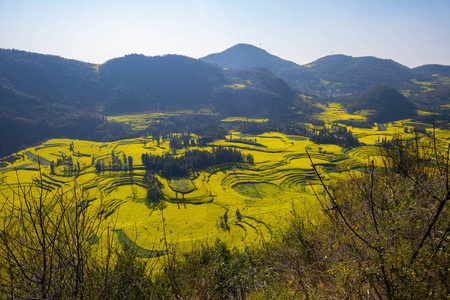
(382, 103)
(133, 83)
(140, 83)
(433, 70)
(49, 77)
(332, 75)
(258, 93)
(43, 96)
(243, 56)
(348, 74)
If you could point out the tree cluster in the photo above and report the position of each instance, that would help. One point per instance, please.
(19, 132)
(154, 188)
(207, 128)
(320, 134)
(256, 128)
(191, 161)
(116, 163)
(337, 135)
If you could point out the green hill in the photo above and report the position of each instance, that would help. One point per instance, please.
(243, 56)
(333, 75)
(330, 75)
(433, 70)
(62, 95)
(48, 96)
(139, 83)
(346, 74)
(385, 104)
(260, 94)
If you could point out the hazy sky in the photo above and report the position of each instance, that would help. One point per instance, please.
(410, 32)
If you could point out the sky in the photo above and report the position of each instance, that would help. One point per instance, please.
(410, 32)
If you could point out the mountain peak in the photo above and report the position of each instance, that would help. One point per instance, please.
(245, 47)
(244, 56)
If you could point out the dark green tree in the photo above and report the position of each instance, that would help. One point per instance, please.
(238, 215)
(98, 166)
(154, 188)
(130, 163)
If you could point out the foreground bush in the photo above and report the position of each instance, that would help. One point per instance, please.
(385, 235)
(47, 249)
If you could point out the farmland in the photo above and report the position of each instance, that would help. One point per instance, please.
(243, 204)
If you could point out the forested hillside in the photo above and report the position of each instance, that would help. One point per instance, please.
(382, 103)
(44, 96)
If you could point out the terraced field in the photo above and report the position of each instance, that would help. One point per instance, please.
(142, 121)
(203, 207)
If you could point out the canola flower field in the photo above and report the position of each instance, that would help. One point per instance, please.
(242, 204)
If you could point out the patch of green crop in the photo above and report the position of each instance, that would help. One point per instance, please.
(142, 253)
(182, 185)
(297, 138)
(258, 190)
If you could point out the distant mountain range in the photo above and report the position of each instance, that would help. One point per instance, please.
(43, 96)
(332, 75)
(134, 83)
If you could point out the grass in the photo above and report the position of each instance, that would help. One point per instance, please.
(141, 252)
(182, 186)
(142, 121)
(244, 119)
(259, 190)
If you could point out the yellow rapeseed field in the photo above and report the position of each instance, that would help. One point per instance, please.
(202, 208)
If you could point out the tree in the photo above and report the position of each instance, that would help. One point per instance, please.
(238, 215)
(44, 244)
(154, 188)
(388, 228)
(98, 166)
(46, 249)
(130, 162)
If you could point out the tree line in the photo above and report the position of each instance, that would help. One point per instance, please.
(116, 163)
(192, 161)
(319, 133)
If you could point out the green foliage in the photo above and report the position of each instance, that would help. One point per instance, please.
(388, 228)
(338, 135)
(154, 188)
(433, 100)
(213, 272)
(191, 161)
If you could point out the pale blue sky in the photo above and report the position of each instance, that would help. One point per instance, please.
(410, 32)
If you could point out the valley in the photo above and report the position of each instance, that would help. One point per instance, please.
(239, 174)
(242, 204)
